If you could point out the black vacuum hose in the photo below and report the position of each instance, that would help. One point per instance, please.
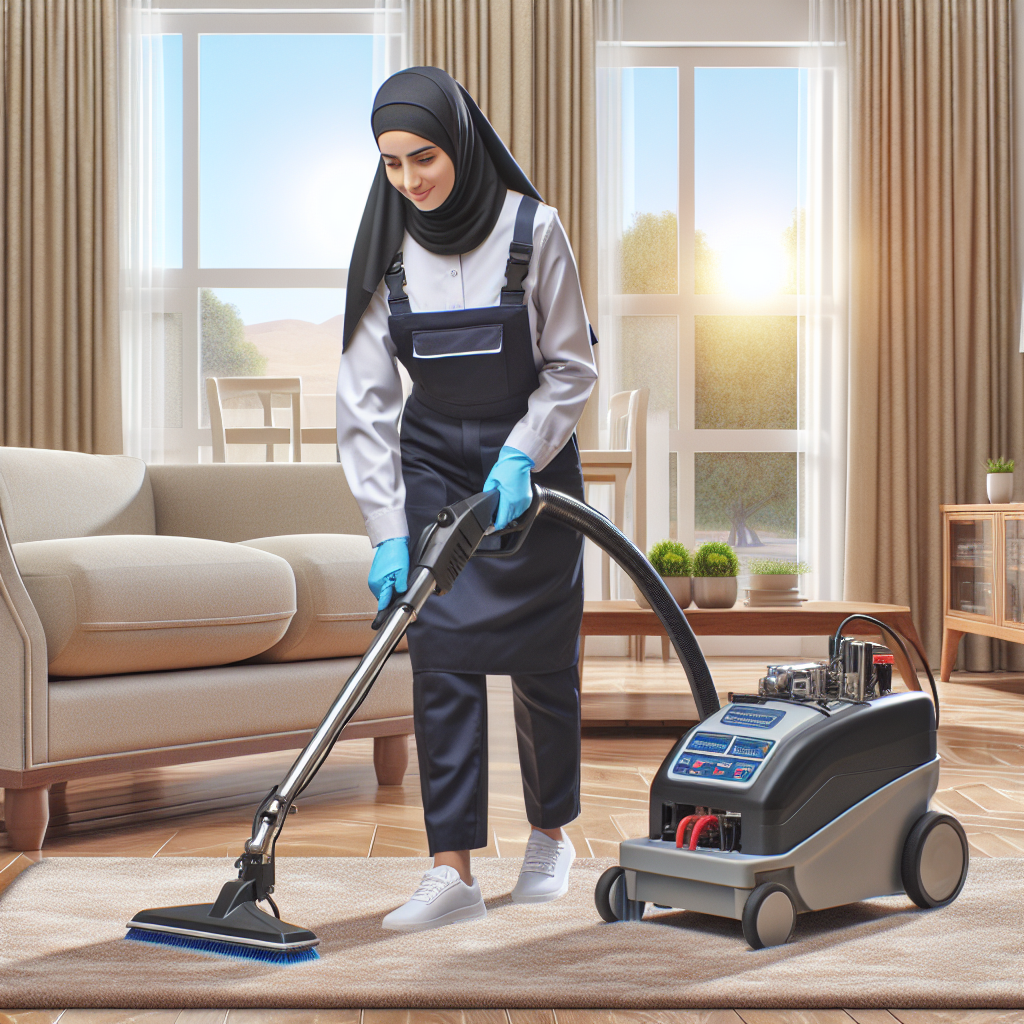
(582, 518)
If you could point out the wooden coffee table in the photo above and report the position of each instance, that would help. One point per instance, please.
(813, 618)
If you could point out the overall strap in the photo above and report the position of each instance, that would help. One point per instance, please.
(394, 277)
(519, 253)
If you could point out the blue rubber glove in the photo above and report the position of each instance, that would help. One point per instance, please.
(390, 570)
(511, 478)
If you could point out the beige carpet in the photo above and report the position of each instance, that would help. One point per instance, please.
(62, 922)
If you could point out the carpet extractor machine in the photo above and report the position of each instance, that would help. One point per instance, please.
(812, 794)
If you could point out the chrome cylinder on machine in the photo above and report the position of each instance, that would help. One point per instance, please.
(863, 672)
(858, 662)
(804, 680)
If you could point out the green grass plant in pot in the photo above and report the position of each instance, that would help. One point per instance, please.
(715, 571)
(671, 561)
(775, 574)
(999, 481)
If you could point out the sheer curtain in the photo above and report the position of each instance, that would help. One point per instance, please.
(823, 303)
(143, 325)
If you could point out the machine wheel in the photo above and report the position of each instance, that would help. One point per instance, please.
(769, 916)
(935, 860)
(611, 900)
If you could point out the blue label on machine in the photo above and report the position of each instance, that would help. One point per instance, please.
(752, 717)
(709, 743)
(728, 769)
(750, 746)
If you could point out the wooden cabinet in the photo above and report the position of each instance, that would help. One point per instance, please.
(982, 575)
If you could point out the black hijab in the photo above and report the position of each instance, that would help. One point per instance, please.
(428, 102)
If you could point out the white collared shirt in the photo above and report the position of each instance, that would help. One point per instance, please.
(370, 394)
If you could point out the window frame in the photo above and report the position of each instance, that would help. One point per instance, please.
(686, 440)
(180, 288)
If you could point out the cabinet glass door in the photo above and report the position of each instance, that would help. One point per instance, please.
(970, 567)
(1013, 560)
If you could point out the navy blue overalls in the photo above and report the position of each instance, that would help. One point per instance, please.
(473, 372)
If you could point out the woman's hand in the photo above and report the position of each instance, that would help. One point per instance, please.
(389, 573)
(511, 477)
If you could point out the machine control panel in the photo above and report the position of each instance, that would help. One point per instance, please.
(705, 767)
(731, 745)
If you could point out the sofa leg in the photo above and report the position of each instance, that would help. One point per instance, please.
(390, 759)
(26, 815)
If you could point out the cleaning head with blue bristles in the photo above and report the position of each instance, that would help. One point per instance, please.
(216, 947)
(232, 926)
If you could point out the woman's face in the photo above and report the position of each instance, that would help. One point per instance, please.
(422, 172)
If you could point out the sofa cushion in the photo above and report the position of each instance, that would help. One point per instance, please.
(141, 604)
(45, 495)
(334, 606)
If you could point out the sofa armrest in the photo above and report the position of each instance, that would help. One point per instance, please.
(23, 678)
(242, 501)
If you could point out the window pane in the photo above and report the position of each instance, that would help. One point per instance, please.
(747, 192)
(161, 59)
(650, 180)
(649, 359)
(275, 332)
(286, 150)
(748, 499)
(746, 372)
(169, 327)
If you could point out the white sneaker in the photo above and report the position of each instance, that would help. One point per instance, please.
(545, 872)
(442, 898)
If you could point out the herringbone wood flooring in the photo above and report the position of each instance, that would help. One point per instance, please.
(206, 809)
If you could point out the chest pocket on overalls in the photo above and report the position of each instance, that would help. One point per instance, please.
(471, 363)
(460, 363)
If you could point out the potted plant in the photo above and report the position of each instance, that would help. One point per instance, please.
(671, 561)
(775, 574)
(999, 482)
(775, 581)
(715, 568)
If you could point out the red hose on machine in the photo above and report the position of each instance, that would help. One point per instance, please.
(681, 829)
(701, 825)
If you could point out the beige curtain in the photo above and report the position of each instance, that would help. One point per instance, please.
(60, 368)
(530, 66)
(936, 383)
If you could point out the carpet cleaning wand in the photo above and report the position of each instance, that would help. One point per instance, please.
(234, 925)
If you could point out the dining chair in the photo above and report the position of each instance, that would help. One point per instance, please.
(264, 388)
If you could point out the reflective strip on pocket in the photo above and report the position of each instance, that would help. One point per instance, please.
(459, 341)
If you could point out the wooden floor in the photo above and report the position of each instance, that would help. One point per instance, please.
(206, 810)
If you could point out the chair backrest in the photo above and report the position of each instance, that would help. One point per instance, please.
(264, 388)
(627, 430)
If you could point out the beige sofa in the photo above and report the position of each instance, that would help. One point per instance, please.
(153, 615)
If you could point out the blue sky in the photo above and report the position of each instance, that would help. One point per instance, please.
(258, 305)
(746, 123)
(286, 155)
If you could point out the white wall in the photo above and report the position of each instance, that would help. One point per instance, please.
(715, 20)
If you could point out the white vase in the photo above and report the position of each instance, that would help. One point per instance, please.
(715, 591)
(678, 587)
(1000, 488)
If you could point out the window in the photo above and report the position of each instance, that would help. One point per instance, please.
(267, 158)
(706, 258)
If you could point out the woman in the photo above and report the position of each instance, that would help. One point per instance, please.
(461, 273)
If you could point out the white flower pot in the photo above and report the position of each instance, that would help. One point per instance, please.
(1000, 488)
(715, 591)
(678, 587)
(773, 581)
